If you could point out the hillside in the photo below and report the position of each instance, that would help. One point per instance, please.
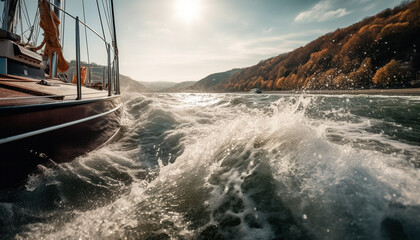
(179, 87)
(378, 52)
(158, 86)
(129, 85)
(212, 80)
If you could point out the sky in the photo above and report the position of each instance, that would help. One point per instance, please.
(186, 40)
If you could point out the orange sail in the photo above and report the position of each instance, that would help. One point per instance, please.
(49, 23)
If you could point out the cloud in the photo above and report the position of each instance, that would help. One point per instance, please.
(270, 46)
(322, 11)
(369, 7)
(267, 30)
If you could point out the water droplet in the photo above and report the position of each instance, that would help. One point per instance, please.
(304, 217)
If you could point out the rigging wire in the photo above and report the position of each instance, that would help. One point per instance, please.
(111, 28)
(107, 16)
(100, 20)
(21, 21)
(37, 29)
(109, 9)
(63, 25)
(87, 44)
(26, 14)
(32, 26)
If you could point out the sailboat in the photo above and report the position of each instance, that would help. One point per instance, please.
(46, 116)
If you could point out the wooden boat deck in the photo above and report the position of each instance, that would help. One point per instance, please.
(22, 91)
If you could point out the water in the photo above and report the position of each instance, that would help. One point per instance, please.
(236, 166)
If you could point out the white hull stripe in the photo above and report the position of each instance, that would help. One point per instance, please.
(52, 128)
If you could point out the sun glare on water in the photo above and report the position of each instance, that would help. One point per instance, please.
(187, 10)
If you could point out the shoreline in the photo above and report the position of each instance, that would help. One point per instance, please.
(398, 92)
(388, 92)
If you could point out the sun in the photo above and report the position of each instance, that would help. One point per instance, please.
(187, 10)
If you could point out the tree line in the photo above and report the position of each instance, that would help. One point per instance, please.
(381, 51)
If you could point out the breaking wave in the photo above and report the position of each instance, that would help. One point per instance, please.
(235, 166)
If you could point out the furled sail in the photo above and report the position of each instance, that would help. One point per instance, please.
(49, 23)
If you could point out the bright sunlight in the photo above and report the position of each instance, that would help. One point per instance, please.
(187, 10)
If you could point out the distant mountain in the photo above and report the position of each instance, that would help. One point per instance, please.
(381, 51)
(127, 84)
(212, 80)
(158, 86)
(179, 87)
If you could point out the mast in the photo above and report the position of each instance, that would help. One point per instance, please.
(117, 68)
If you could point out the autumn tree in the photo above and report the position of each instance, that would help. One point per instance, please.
(363, 75)
(390, 74)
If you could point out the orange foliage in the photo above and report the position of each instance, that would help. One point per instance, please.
(279, 83)
(365, 28)
(388, 74)
(344, 58)
(340, 81)
(270, 84)
(362, 76)
(392, 28)
(375, 27)
(404, 15)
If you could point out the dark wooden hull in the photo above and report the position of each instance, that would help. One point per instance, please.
(33, 134)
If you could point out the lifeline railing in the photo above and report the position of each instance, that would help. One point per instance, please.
(108, 48)
(90, 79)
